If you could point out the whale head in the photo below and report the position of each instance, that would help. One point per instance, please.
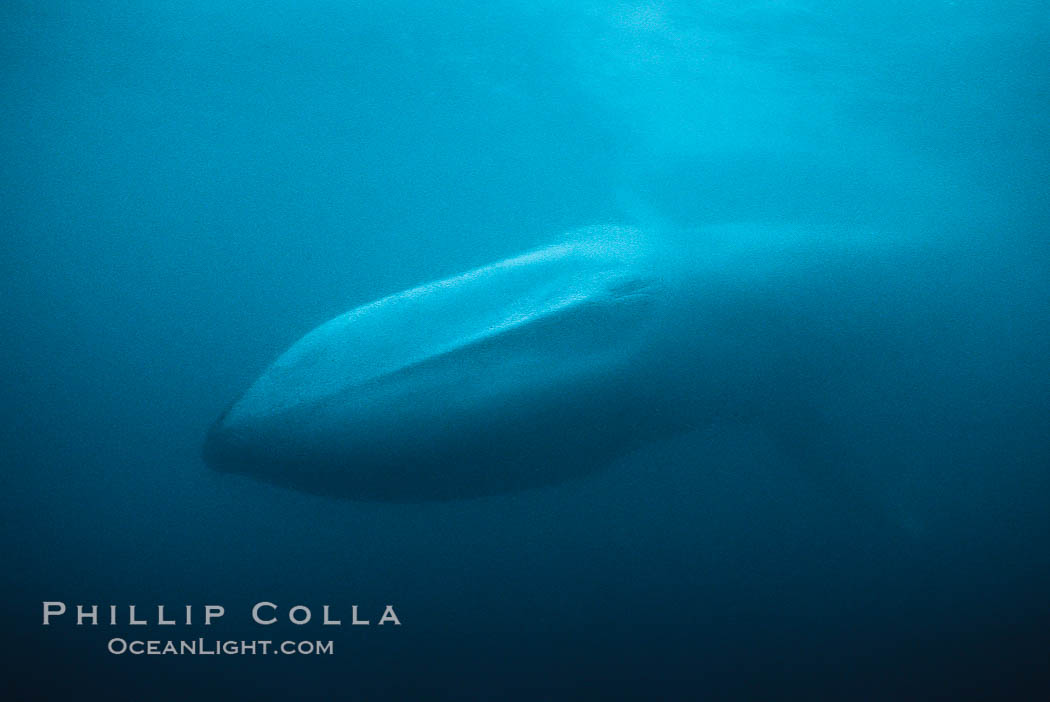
(521, 373)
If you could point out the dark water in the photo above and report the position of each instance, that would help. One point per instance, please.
(187, 188)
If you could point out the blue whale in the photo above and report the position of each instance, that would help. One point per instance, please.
(853, 353)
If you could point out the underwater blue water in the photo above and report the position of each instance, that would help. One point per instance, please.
(188, 188)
